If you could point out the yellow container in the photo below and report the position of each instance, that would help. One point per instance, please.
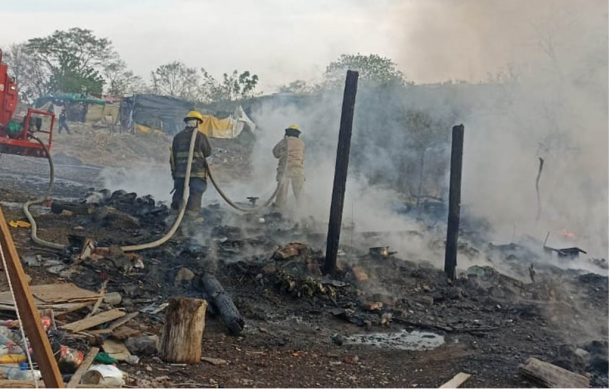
(12, 358)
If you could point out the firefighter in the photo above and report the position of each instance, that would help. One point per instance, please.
(178, 161)
(290, 153)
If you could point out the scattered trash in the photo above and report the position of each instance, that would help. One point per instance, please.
(19, 224)
(69, 359)
(359, 274)
(105, 358)
(143, 345)
(289, 251)
(381, 252)
(116, 349)
(106, 375)
(214, 361)
(402, 340)
(183, 276)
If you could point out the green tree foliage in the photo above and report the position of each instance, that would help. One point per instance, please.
(178, 80)
(74, 59)
(373, 70)
(234, 86)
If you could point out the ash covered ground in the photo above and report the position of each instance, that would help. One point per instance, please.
(386, 321)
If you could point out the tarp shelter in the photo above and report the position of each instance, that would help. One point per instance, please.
(79, 107)
(227, 128)
(146, 113)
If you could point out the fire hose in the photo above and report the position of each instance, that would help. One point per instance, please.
(235, 206)
(142, 246)
(26, 206)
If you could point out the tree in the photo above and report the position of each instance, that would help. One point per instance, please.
(234, 86)
(176, 79)
(298, 87)
(373, 69)
(74, 59)
(120, 81)
(32, 79)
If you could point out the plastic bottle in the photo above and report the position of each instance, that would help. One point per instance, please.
(6, 367)
(17, 373)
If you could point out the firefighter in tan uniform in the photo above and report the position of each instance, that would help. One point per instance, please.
(290, 152)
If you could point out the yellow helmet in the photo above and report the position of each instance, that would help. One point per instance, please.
(194, 115)
(294, 127)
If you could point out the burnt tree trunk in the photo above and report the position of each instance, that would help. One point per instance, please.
(183, 330)
(222, 303)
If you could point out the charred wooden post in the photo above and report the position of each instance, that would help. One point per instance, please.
(341, 164)
(455, 185)
(222, 302)
(183, 330)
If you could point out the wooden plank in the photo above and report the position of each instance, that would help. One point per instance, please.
(75, 380)
(123, 320)
(99, 299)
(27, 309)
(18, 384)
(550, 376)
(456, 381)
(67, 307)
(94, 320)
(60, 293)
(54, 294)
(59, 309)
(115, 324)
(30, 384)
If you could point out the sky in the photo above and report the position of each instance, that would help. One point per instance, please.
(285, 40)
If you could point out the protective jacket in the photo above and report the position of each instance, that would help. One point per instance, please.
(291, 153)
(180, 152)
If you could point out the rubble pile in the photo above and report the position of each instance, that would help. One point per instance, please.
(261, 276)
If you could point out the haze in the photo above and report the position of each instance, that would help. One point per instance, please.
(281, 41)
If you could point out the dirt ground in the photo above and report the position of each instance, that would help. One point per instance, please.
(302, 328)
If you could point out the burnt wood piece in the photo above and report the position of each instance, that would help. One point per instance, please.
(455, 187)
(550, 376)
(222, 303)
(341, 164)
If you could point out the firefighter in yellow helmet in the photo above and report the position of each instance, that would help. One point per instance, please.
(178, 162)
(290, 152)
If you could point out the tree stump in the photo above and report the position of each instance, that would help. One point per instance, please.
(183, 330)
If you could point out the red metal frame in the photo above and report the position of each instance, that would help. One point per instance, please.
(22, 144)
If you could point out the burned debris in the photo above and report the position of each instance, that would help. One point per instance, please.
(244, 287)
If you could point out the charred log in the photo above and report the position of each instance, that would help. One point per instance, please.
(222, 303)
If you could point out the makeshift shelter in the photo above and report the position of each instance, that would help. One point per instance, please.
(146, 113)
(79, 107)
(227, 128)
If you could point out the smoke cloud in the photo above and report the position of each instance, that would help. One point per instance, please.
(548, 99)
